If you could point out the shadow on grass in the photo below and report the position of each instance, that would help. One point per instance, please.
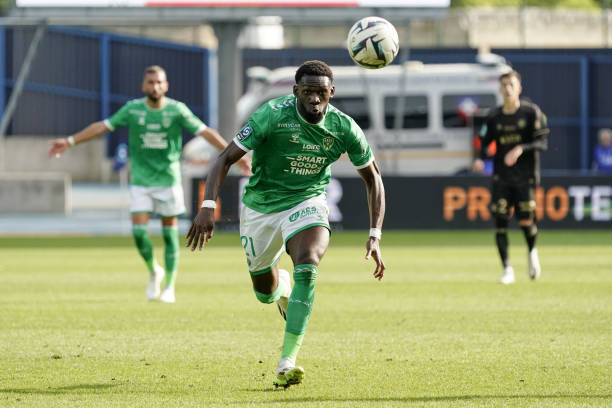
(288, 399)
(58, 390)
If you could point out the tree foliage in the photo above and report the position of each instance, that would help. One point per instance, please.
(580, 4)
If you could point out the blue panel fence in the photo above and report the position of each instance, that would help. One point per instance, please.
(78, 69)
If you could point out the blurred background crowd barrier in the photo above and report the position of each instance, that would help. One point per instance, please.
(67, 77)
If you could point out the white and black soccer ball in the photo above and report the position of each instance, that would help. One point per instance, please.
(372, 42)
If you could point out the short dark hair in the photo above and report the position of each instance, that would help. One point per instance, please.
(511, 74)
(314, 67)
(153, 69)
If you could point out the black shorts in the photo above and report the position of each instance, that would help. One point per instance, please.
(506, 196)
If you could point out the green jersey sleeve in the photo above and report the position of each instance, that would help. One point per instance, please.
(357, 146)
(255, 132)
(119, 119)
(190, 121)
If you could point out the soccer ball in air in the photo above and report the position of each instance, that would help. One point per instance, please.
(372, 42)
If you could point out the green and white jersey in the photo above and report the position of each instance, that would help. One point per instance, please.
(155, 139)
(291, 157)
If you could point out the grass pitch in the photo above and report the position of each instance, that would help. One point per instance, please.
(438, 331)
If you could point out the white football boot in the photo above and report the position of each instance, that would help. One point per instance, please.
(283, 301)
(167, 295)
(534, 264)
(155, 280)
(287, 374)
(508, 276)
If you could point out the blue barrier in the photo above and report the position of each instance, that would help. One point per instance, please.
(95, 67)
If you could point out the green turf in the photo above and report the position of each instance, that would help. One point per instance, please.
(76, 330)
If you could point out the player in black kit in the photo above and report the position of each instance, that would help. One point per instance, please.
(519, 129)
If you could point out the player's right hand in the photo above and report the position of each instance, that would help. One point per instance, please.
(58, 146)
(478, 166)
(373, 250)
(201, 230)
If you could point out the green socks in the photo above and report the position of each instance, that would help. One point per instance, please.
(272, 297)
(171, 254)
(144, 244)
(291, 345)
(145, 248)
(299, 308)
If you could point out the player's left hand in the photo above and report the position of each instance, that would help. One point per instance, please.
(201, 230)
(512, 156)
(373, 249)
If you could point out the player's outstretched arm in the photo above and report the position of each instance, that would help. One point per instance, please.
(214, 138)
(376, 204)
(60, 145)
(203, 225)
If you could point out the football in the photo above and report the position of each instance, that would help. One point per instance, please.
(372, 42)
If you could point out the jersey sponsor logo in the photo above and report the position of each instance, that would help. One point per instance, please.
(154, 140)
(244, 133)
(328, 142)
(305, 212)
(509, 139)
(153, 126)
(310, 147)
(306, 165)
(288, 125)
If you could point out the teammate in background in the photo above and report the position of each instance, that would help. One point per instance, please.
(294, 140)
(155, 142)
(520, 131)
(602, 160)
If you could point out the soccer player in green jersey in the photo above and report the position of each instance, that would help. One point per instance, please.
(155, 141)
(294, 140)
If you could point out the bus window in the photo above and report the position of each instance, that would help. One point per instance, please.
(458, 109)
(415, 112)
(354, 106)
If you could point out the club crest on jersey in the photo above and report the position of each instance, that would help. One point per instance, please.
(244, 133)
(522, 123)
(166, 122)
(295, 138)
(328, 142)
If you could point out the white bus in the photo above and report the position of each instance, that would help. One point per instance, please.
(427, 131)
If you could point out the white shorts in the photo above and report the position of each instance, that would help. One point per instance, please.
(164, 201)
(263, 236)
